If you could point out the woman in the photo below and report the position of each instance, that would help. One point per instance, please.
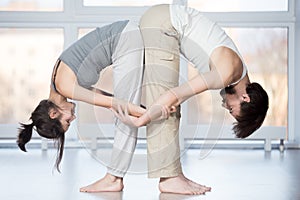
(118, 44)
(169, 30)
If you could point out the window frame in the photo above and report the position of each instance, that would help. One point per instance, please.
(75, 15)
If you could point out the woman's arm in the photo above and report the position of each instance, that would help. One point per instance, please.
(66, 85)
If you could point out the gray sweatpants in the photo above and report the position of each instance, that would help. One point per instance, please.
(127, 73)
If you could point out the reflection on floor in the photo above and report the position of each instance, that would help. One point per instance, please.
(232, 174)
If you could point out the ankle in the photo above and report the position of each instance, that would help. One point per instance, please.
(113, 178)
(163, 179)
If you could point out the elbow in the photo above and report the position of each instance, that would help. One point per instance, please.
(64, 91)
(215, 85)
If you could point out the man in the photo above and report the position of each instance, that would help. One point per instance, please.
(167, 31)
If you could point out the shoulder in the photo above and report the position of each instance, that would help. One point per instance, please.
(227, 63)
(65, 77)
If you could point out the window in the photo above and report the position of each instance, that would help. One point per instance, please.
(263, 30)
(27, 60)
(239, 5)
(124, 2)
(31, 5)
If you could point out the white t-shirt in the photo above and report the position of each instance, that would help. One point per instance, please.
(199, 36)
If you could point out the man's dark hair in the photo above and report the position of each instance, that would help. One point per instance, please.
(252, 113)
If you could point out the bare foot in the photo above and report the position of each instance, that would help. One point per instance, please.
(108, 183)
(181, 185)
(197, 185)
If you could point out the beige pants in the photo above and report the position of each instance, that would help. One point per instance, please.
(161, 74)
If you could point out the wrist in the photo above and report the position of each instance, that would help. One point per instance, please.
(139, 123)
(113, 103)
(174, 96)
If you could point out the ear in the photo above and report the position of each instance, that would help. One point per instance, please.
(53, 113)
(246, 98)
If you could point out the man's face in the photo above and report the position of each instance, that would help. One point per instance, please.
(231, 100)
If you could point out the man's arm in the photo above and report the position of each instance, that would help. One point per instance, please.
(165, 104)
(168, 102)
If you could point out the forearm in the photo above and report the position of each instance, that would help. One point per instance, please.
(181, 94)
(143, 120)
(178, 95)
(133, 110)
(96, 90)
(193, 87)
(159, 109)
(79, 93)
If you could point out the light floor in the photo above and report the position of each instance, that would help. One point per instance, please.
(232, 174)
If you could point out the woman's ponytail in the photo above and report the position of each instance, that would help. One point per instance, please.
(25, 134)
(45, 126)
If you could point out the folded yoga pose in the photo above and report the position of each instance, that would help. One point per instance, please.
(167, 31)
(77, 69)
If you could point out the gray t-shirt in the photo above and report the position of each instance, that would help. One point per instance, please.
(93, 52)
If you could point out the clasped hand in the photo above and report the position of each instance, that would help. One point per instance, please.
(154, 113)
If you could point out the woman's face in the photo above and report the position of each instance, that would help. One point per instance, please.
(67, 114)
